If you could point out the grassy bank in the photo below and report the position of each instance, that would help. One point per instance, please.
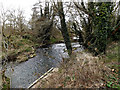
(84, 70)
(22, 45)
(111, 61)
(6, 83)
(19, 48)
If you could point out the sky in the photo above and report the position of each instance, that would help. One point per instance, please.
(25, 5)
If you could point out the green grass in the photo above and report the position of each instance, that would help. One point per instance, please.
(19, 44)
(28, 49)
(37, 45)
(112, 53)
(113, 82)
(112, 62)
(6, 85)
(54, 40)
(25, 41)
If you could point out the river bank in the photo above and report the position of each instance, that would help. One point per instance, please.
(25, 73)
(72, 71)
(81, 71)
(85, 71)
(21, 46)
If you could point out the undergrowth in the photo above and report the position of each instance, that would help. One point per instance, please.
(84, 70)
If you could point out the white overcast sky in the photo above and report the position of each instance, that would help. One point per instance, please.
(25, 5)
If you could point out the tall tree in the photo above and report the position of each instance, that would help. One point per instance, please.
(97, 25)
(64, 28)
(42, 21)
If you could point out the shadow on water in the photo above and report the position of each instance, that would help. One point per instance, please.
(23, 74)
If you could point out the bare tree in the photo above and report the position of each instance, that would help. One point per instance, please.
(20, 20)
(64, 27)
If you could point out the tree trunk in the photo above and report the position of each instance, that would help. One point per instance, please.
(64, 28)
(78, 33)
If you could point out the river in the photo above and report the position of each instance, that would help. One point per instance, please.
(25, 73)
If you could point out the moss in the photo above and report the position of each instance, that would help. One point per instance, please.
(36, 45)
(28, 49)
(19, 44)
(53, 40)
(25, 41)
(6, 84)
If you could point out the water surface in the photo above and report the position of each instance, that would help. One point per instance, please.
(25, 73)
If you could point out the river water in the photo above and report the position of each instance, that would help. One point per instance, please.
(25, 73)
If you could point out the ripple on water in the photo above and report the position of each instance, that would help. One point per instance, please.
(27, 72)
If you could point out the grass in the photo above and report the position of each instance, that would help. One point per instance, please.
(18, 46)
(111, 61)
(112, 53)
(19, 50)
(28, 49)
(6, 83)
(86, 71)
(54, 40)
(83, 71)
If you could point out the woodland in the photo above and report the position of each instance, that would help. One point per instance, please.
(96, 26)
